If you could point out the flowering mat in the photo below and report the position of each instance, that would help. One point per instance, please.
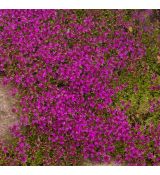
(79, 87)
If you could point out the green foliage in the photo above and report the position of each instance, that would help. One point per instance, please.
(139, 100)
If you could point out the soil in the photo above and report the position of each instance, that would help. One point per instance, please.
(7, 117)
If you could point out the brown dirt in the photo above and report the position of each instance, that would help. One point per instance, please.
(7, 117)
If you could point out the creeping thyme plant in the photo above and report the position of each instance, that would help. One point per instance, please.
(88, 86)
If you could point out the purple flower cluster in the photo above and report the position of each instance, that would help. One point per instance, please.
(66, 71)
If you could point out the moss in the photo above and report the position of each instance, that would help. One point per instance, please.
(52, 80)
(36, 160)
(80, 15)
(1, 28)
(120, 148)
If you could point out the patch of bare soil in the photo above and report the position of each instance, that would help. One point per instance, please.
(88, 163)
(7, 117)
